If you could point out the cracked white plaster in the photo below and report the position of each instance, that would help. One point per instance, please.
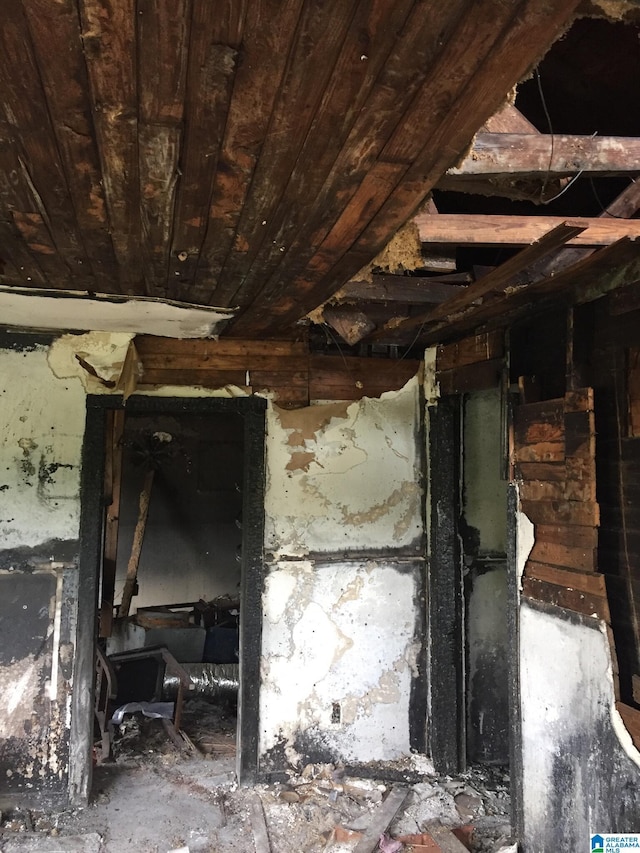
(344, 476)
(345, 635)
(42, 426)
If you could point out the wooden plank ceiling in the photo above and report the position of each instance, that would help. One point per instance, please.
(252, 154)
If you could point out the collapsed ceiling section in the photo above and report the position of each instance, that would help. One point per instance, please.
(251, 156)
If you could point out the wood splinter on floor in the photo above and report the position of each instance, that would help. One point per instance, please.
(259, 826)
(381, 818)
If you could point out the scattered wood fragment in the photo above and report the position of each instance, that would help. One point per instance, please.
(444, 837)
(381, 818)
(259, 826)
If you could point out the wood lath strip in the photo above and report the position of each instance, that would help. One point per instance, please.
(25, 120)
(369, 39)
(216, 36)
(283, 368)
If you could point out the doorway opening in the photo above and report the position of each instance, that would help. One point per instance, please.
(174, 544)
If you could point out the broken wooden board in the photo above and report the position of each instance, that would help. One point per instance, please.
(381, 817)
(443, 836)
(259, 826)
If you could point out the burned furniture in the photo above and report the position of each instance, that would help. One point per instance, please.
(136, 677)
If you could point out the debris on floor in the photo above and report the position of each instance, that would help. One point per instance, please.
(155, 799)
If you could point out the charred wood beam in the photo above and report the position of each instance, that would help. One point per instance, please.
(413, 290)
(536, 154)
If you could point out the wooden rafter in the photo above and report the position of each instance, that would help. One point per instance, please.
(495, 230)
(538, 154)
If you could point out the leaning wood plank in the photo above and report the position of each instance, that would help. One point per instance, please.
(527, 154)
(136, 548)
(113, 487)
(498, 279)
(496, 230)
(259, 826)
(442, 835)
(380, 819)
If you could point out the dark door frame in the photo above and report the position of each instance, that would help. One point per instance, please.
(252, 409)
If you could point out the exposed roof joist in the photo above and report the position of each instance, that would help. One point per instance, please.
(496, 230)
(540, 154)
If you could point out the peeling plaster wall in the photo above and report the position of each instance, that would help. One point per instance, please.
(343, 629)
(42, 424)
(581, 773)
(345, 477)
(339, 653)
(42, 421)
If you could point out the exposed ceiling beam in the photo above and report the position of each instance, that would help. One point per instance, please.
(490, 230)
(536, 154)
(622, 207)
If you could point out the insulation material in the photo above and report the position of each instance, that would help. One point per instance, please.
(343, 477)
(215, 681)
(339, 654)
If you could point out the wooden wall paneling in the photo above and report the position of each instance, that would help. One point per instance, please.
(580, 579)
(418, 44)
(570, 599)
(313, 55)
(563, 512)
(334, 378)
(633, 390)
(472, 377)
(213, 62)
(371, 37)
(110, 47)
(55, 33)
(566, 556)
(258, 79)
(481, 347)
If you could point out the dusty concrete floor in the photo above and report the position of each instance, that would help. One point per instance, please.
(155, 800)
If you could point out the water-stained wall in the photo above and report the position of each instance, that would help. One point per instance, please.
(343, 655)
(42, 422)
